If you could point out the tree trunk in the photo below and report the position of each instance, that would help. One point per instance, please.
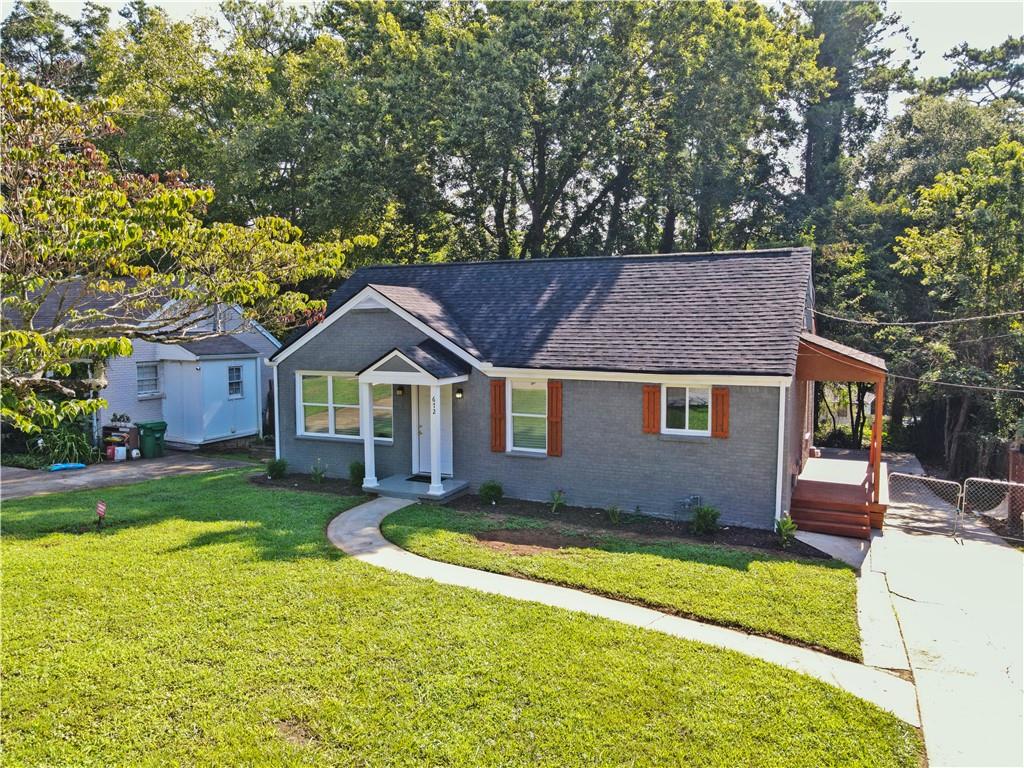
(500, 227)
(668, 231)
(953, 437)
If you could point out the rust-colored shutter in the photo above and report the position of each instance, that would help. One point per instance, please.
(554, 418)
(719, 411)
(498, 415)
(652, 408)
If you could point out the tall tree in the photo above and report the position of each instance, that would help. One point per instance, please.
(115, 257)
(855, 46)
(52, 49)
(985, 74)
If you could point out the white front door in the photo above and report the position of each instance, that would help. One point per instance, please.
(421, 430)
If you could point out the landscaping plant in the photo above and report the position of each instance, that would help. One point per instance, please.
(614, 514)
(491, 492)
(786, 529)
(705, 520)
(356, 473)
(65, 444)
(318, 472)
(276, 468)
(557, 500)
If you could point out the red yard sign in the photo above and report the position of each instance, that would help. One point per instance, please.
(101, 509)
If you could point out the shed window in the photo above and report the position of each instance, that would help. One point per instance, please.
(528, 415)
(234, 381)
(147, 378)
(329, 405)
(686, 410)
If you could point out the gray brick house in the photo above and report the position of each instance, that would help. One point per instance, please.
(639, 381)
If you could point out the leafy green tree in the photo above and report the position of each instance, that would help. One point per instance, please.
(51, 49)
(116, 257)
(985, 74)
(967, 249)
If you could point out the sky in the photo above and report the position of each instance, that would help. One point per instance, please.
(938, 25)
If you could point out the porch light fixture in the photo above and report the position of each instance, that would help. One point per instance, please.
(399, 391)
(458, 393)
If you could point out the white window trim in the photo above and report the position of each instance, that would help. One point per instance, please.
(664, 411)
(148, 392)
(510, 447)
(240, 382)
(300, 421)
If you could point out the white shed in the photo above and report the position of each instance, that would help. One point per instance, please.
(211, 391)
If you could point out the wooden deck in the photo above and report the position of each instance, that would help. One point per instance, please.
(835, 496)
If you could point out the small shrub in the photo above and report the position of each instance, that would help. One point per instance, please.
(614, 514)
(65, 444)
(318, 472)
(276, 468)
(786, 530)
(557, 500)
(704, 521)
(357, 473)
(24, 460)
(491, 492)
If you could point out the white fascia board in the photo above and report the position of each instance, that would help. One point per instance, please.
(370, 292)
(645, 378)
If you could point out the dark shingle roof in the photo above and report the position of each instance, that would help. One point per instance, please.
(435, 359)
(218, 346)
(731, 312)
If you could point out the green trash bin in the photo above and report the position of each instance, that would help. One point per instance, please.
(151, 438)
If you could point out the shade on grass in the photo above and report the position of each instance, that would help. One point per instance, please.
(811, 601)
(212, 624)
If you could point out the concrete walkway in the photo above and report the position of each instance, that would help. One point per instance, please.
(960, 605)
(18, 483)
(357, 532)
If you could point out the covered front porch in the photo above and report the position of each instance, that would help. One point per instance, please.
(430, 375)
(841, 492)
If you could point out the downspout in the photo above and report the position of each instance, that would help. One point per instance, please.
(277, 414)
(781, 454)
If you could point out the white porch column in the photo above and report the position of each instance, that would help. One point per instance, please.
(366, 428)
(436, 488)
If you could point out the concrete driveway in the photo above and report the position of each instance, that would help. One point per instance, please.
(18, 483)
(960, 606)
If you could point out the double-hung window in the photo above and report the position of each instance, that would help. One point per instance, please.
(329, 405)
(686, 410)
(147, 378)
(528, 415)
(235, 381)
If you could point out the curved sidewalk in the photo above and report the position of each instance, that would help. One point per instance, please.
(357, 533)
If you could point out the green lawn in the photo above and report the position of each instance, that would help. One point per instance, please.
(211, 624)
(810, 601)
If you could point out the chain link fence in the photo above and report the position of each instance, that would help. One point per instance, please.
(930, 504)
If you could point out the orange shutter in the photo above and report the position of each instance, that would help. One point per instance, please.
(652, 408)
(498, 415)
(719, 411)
(554, 418)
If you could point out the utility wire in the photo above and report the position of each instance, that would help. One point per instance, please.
(979, 387)
(859, 321)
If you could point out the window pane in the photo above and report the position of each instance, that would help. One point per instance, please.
(382, 426)
(314, 389)
(346, 421)
(700, 398)
(346, 391)
(530, 397)
(382, 395)
(314, 418)
(529, 432)
(675, 407)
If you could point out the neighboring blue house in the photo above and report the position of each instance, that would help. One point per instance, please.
(644, 382)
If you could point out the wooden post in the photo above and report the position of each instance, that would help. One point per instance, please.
(876, 438)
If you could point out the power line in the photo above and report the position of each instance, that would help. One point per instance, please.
(859, 321)
(979, 387)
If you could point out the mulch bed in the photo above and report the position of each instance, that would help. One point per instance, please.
(582, 519)
(295, 481)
